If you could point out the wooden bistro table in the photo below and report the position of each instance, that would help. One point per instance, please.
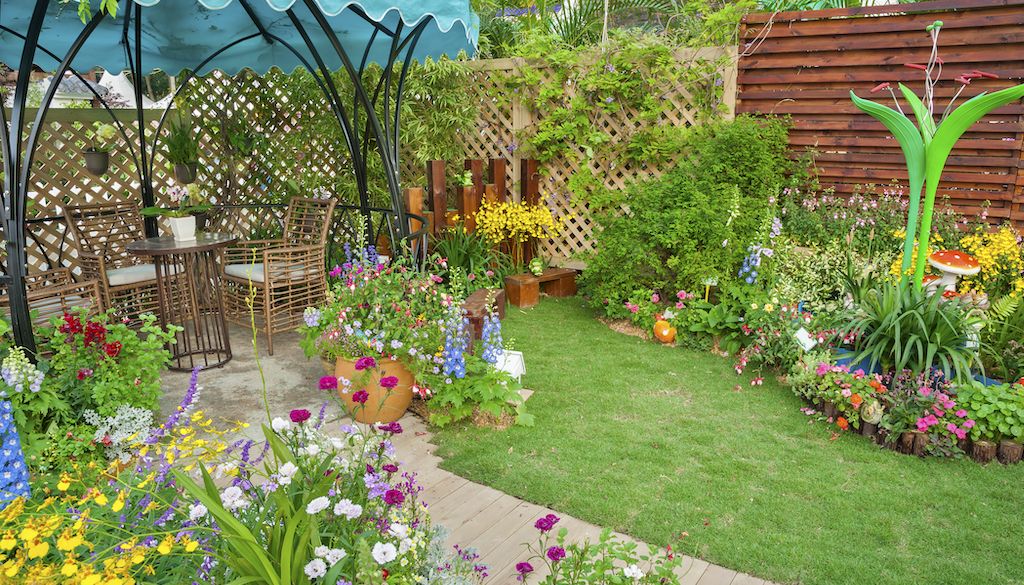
(189, 294)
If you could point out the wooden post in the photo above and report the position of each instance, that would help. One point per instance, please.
(491, 193)
(467, 206)
(496, 171)
(529, 181)
(438, 195)
(414, 205)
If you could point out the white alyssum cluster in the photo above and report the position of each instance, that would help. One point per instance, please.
(234, 498)
(326, 557)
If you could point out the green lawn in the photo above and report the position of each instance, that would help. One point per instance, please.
(654, 441)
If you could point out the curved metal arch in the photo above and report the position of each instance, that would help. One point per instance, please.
(92, 90)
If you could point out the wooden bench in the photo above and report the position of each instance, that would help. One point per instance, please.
(524, 289)
(478, 304)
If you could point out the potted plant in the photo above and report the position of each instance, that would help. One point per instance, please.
(183, 152)
(101, 142)
(188, 203)
(381, 321)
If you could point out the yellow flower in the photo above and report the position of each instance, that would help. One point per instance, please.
(70, 568)
(64, 483)
(92, 579)
(38, 549)
(166, 545)
(101, 499)
(69, 541)
(118, 502)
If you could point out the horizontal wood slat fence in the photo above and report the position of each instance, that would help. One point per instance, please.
(804, 64)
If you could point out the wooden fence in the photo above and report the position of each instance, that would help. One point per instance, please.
(804, 64)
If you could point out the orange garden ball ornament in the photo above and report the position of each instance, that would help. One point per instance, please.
(664, 331)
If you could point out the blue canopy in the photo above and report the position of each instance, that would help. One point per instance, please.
(179, 34)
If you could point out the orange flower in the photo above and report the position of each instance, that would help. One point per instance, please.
(842, 423)
(877, 386)
(856, 401)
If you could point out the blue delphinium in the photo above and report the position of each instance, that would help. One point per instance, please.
(491, 337)
(456, 340)
(748, 272)
(13, 472)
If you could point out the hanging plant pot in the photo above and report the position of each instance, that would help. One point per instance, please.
(96, 162)
(186, 174)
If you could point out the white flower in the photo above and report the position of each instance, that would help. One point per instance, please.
(280, 425)
(233, 498)
(337, 443)
(334, 555)
(316, 569)
(286, 472)
(399, 531)
(405, 546)
(633, 572)
(318, 505)
(196, 511)
(312, 450)
(347, 509)
(321, 551)
(384, 552)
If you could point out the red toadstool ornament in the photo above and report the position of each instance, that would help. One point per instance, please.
(930, 282)
(952, 264)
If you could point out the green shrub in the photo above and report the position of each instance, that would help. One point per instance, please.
(694, 224)
(997, 411)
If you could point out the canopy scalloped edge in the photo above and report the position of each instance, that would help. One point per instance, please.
(374, 9)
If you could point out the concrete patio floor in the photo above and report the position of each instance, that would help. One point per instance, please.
(494, 523)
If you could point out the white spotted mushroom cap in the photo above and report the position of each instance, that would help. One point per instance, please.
(954, 262)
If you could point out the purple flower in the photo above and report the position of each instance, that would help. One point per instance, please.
(365, 363)
(390, 468)
(391, 427)
(299, 415)
(388, 382)
(336, 271)
(524, 568)
(546, 523)
(360, 396)
(328, 383)
(394, 498)
(556, 553)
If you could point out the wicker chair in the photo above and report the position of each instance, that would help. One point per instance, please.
(101, 233)
(53, 292)
(287, 275)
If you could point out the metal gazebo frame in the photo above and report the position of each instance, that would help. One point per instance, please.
(361, 124)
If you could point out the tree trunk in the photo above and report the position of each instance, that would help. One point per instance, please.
(983, 451)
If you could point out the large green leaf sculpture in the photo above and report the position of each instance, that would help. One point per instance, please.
(927, 146)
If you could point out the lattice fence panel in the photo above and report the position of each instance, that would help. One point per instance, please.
(503, 123)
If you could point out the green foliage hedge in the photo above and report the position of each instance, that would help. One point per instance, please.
(694, 224)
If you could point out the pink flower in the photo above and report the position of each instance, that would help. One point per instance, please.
(365, 363)
(922, 425)
(632, 308)
(757, 381)
(388, 382)
(969, 424)
(822, 369)
(299, 415)
(335, 272)
(361, 396)
(960, 434)
(949, 405)
(680, 305)
(961, 413)
(951, 427)
(328, 383)
(846, 392)
(925, 391)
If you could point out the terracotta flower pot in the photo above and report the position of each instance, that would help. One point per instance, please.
(384, 405)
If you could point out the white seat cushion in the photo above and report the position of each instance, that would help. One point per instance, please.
(257, 272)
(134, 274)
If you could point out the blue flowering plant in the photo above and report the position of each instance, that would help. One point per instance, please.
(384, 309)
(470, 383)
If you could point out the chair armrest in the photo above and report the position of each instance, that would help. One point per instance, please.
(93, 266)
(249, 251)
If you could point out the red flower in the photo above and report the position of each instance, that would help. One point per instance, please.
(71, 324)
(963, 80)
(842, 423)
(95, 333)
(112, 349)
(389, 382)
(83, 373)
(299, 415)
(986, 74)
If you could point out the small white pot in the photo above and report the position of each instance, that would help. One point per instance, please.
(512, 362)
(183, 228)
